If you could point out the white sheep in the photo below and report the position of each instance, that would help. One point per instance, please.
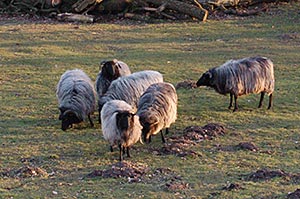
(130, 88)
(76, 97)
(120, 126)
(157, 109)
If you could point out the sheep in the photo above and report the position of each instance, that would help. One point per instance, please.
(157, 109)
(120, 126)
(129, 88)
(76, 97)
(242, 77)
(110, 70)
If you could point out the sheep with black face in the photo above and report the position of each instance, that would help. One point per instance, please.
(76, 97)
(242, 77)
(120, 125)
(110, 71)
(157, 109)
(129, 88)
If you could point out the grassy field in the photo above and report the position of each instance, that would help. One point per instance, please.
(33, 56)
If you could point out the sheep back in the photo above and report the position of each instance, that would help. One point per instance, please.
(117, 131)
(157, 107)
(75, 91)
(130, 88)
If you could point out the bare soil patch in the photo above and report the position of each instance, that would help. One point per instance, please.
(179, 145)
(133, 172)
(250, 146)
(25, 172)
(232, 186)
(186, 84)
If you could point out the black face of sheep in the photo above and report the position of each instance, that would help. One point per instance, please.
(68, 118)
(205, 79)
(110, 69)
(124, 121)
(147, 131)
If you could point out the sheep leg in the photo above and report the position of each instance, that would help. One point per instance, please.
(91, 122)
(230, 103)
(262, 94)
(162, 137)
(121, 152)
(99, 116)
(270, 100)
(167, 131)
(123, 148)
(127, 151)
(235, 103)
(111, 148)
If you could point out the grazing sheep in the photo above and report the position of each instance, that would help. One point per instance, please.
(110, 70)
(120, 126)
(157, 109)
(76, 97)
(130, 88)
(241, 77)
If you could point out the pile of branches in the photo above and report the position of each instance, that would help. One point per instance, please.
(133, 9)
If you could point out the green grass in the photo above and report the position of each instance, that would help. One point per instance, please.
(33, 56)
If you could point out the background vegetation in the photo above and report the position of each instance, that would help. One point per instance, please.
(33, 55)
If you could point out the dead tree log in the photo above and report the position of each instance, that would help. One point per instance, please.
(180, 7)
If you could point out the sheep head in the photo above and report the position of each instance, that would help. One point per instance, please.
(150, 127)
(206, 79)
(110, 69)
(68, 117)
(125, 121)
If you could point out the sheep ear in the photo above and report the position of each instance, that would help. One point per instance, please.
(102, 63)
(61, 113)
(115, 61)
(209, 74)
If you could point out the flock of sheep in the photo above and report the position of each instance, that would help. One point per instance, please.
(135, 106)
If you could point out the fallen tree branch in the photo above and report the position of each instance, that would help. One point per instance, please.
(204, 10)
(180, 7)
(70, 17)
(245, 13)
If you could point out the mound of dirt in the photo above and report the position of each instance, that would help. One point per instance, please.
(177, 149)
(178, 145)
(208, 131)
(125, 169)
(232, 186)
(294, 195)
(248, 146)
(187, 84)
(25, 172)
(266, 174)
(173, 181)
(177, 186)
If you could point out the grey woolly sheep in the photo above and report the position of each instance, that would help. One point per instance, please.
(242, 77)
(157, 109)
(110, 70)
(120, 126)
(76, 97)
(130, 88)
